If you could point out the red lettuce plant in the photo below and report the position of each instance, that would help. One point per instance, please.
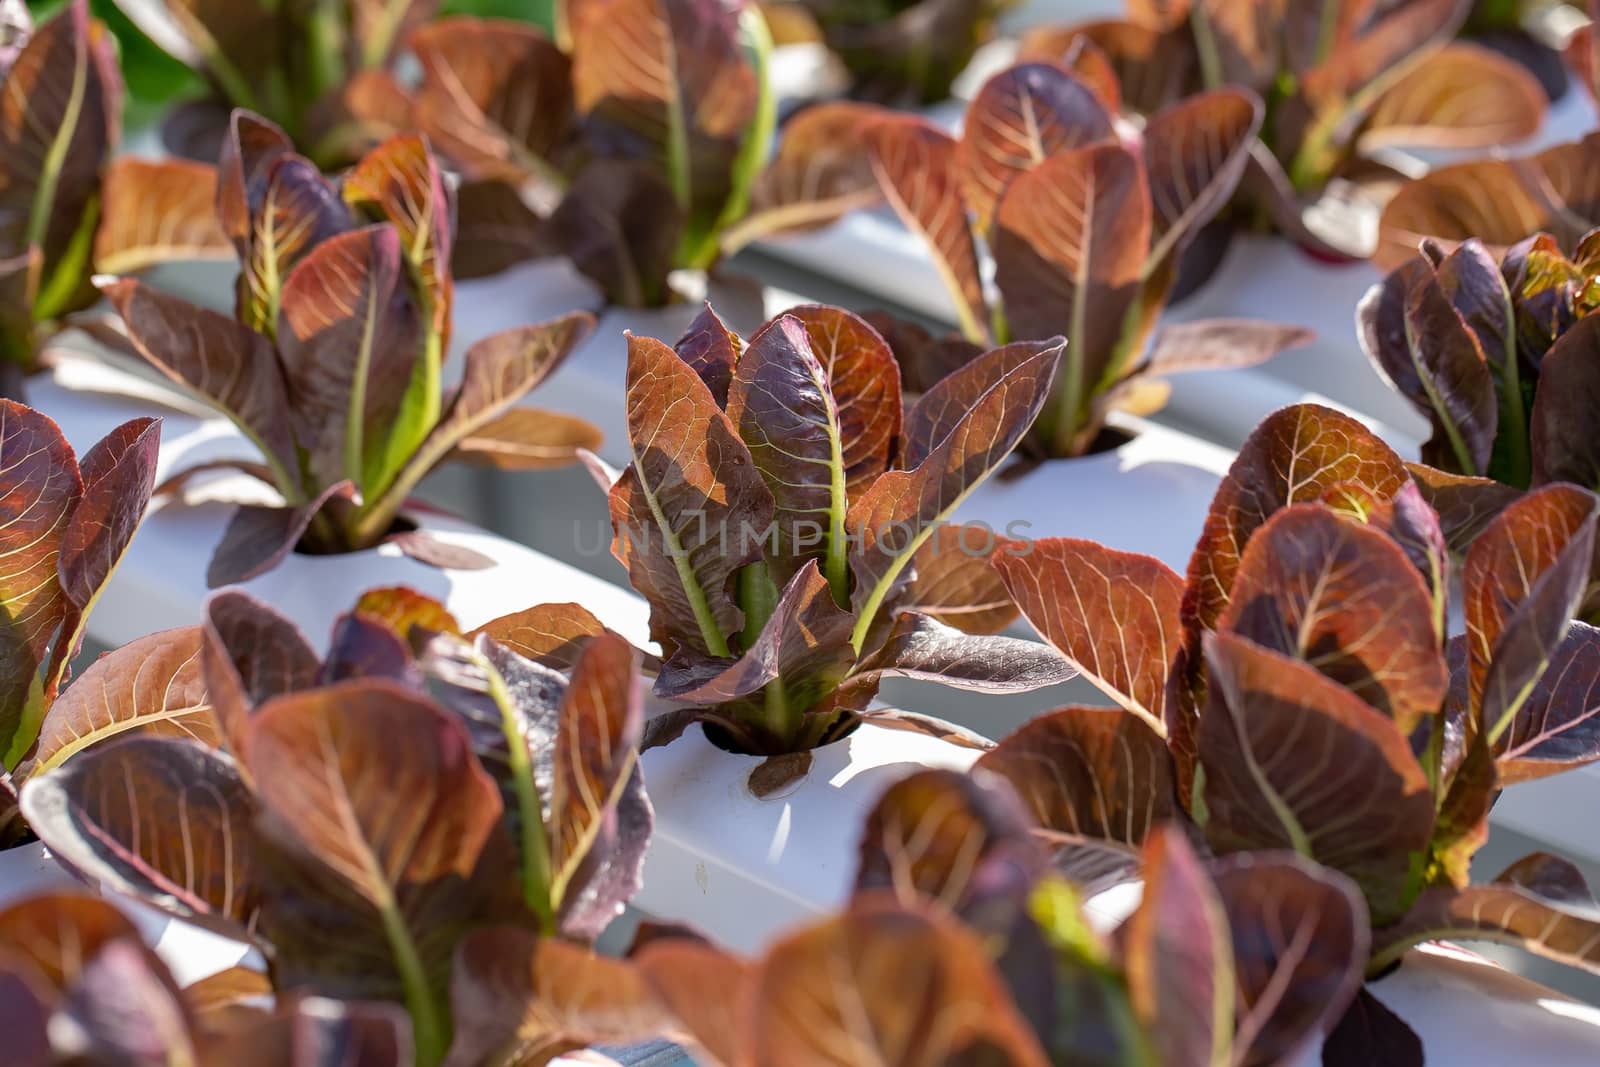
(81, 987)
(1342, 80)
(319, 70)
(1086, 231)
(1501, 357)
(1297, 691)
(332, 362)
(641, 149)
(66, 208)
(904, 53)
(505, 811)
(958, 948)
(787, 522)
(65, 528)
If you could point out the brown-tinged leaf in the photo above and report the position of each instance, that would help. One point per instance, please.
(42, 490)
(1300, 941)
(1195, 152)
(229, 365)
(251, 654)
(1451, 366)
(1220, 344)
(398, 182)
(1345, 599)
(1465, 505)
(670, 83)
(1095, 776)
(1540, 903)
(596, 749)
(156, 211)
(703, 987)
(524, 1000)
(258, 538)
(363, 646)
(956, 436)
(1022, 116)
(349, 338)
(621, 227)
(1177, 952)
(954, 582)
(1462, 96)
(865, 381)
(376, 813)
(1292, 760)
(221, 993)
(1523, 579)
(495, 97)
(151, 686)
(1498, 201)
(691, 508)
(820, 172)
(425, 547)
(1295, 455)
(862, 986)
(712, 350)
(167, 821)
(1070, 241)
(948, 839)
(925, 649)
(1557, 727)
(551, 634)
(1561, 429)
(294, 212)
(119, 475)
(1153, 68)
(781, 405)
(527, 439)
(495, 229)
(60, 115)
(917, 167)
(57, 932)
(1113, 614)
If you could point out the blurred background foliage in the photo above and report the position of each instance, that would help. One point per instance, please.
(155, 79)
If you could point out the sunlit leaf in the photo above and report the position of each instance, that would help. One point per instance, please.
(1022, 116)
(166, 821)
(691, 507)
(917, 166)
(1345, 599)
(157, 211)
(1294, 761)
(1113, 614)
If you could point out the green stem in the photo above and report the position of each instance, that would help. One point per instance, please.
(1205, 43)
(536, 877)
(430, 1029)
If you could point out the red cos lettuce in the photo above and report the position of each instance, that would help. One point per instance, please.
(787, 522)
(67, 209)
(1086, 232)
(904, 53)
(1341, 79)
(332, 362)
(501, 815)
(319, 70)
(637, 147)
(955, 919)
(1297, 691)
(66, 526)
